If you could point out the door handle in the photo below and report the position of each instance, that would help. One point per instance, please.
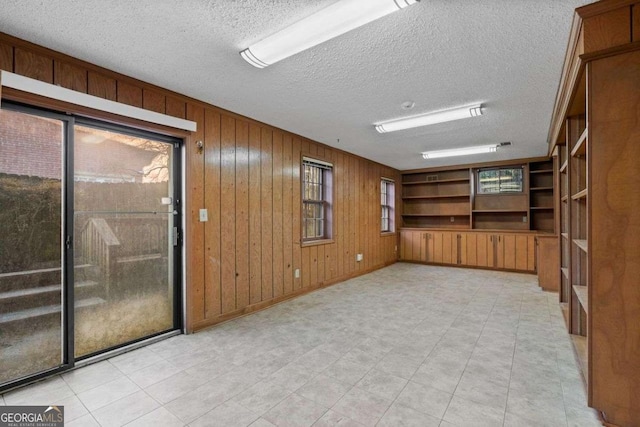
(175, 236)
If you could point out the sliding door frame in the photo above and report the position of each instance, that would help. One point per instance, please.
(66, 246)
(67, 357)
(176, 164)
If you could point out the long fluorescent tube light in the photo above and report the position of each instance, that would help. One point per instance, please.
(464, 151)
(430, 118)
(330, 22)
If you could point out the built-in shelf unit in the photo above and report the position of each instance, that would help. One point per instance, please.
(449, 198)
(594, 134)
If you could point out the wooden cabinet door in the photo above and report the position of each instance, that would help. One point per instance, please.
(525, 252)
(437, 246)
(469, 249)
(514, 252)
(416, 238)
(428, 247)
(532, 253)
(548, 260)
(449, 245)
(483, 244)
(406, 247)
(506, 250)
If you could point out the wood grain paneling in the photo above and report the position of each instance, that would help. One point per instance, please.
(212, 260)
(482, 244)
(255, 224)
(175, 107)
(242, 213)
(70, 76)
(548, 263)
(614, 258)
(287, 213)
(278, 251)
(228, 212)
(437, 247)
(102, 86)
(6, 57)
(522, 252)
(266, 168)
(129, 94)
(339, 206)
(416, 240)
(531, 254)
(635, 22)
(406, 247)
(424, 245)
(472, 249)
(296, 231)
(33, 65)
(607, 30)
(153, 101)
(195, 231)
(448, 240)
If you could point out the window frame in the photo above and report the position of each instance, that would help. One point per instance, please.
(387, 194)
(522, 190)
(325, 182)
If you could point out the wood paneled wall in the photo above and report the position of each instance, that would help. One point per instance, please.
(248, 178)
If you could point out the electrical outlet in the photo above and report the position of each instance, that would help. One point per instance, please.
(204, 215)
(452, 219)
(359, 257)
(296, 274)
(524, 219)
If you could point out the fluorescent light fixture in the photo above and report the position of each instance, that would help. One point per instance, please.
(480, 149)
(430, 118)
(330, 22)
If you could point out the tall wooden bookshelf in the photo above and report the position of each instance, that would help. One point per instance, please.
(541, 196)
(595, 131)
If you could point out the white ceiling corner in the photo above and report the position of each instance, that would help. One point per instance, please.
(507, 54)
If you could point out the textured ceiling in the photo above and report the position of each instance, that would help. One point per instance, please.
(440, 54)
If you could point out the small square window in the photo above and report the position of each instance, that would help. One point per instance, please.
(500, 180)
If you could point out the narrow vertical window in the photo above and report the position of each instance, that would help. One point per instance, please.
(316, 199)
(387, 204)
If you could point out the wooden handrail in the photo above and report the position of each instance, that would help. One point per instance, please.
(99, 246)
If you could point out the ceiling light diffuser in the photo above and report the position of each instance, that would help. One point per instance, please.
(330, 22)
(430, 118)
(479, 149)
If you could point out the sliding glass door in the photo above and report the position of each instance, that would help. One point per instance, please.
(124, 237)
(31, 252)
(89, 248)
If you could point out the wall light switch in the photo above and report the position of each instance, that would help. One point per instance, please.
(204, 215)
(359, 257)
(297, 273)
(452, 219)
(524, 219)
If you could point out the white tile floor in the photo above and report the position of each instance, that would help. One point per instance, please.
(408, 345)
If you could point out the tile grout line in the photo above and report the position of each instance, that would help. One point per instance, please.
(513, 356)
